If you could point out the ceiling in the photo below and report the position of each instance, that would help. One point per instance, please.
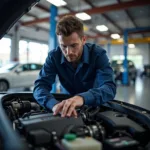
(117, 15)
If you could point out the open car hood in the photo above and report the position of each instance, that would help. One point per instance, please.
(11, 11)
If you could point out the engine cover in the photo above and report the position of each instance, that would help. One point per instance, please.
(48, 122)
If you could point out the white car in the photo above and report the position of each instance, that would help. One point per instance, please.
(18, 75)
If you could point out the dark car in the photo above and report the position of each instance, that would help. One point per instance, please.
(146, 71)
(118, 68)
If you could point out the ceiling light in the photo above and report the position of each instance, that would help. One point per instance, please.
(131, 45)
(101, 28)
(115, 36)
(83, 16)
(58, 3)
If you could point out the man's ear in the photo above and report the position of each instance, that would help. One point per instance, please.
(84, 39)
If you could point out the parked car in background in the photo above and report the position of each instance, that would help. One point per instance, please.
(117, 66)
(146, 71)
(18, 75)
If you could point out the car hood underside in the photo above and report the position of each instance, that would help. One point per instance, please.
(11, 11)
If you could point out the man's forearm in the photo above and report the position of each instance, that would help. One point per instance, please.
(98, 96)
(44, 97)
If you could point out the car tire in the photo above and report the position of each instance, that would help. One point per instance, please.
(3, 85)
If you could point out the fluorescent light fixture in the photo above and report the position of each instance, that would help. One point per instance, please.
(83, 16)
(101, 28)
(131, 45)
(58, 3)
(115, 36)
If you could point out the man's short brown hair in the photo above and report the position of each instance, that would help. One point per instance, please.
(69, 24)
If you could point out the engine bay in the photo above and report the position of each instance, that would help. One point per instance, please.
(116, 125)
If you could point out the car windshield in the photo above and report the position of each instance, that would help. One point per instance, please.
(9, 67)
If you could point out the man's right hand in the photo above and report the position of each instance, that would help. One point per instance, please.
(58, 108)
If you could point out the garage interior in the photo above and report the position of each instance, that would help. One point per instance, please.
(121, 27)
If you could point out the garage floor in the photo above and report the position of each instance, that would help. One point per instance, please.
(138, 94)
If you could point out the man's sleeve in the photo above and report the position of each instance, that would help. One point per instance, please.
(43, 84)
(104, 88)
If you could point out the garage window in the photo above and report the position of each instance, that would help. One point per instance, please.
(5, 47)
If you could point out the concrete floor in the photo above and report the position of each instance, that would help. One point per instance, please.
(138, 94)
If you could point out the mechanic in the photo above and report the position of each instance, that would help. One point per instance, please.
(83, 70)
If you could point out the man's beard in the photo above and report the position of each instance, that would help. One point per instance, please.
(71, 58)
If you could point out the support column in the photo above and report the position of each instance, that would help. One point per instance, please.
(28, 52)
(14, 54)
(52, 34)
(125, 63)
(149, 53)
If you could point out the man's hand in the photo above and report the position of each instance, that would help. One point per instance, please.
(67, 107)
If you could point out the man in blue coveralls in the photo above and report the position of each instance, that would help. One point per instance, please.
(83, 70)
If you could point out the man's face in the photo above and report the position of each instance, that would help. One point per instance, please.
(72, 46)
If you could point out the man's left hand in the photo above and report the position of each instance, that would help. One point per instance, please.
(67, 107)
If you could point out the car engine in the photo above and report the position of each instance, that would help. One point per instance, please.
(25, 125)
